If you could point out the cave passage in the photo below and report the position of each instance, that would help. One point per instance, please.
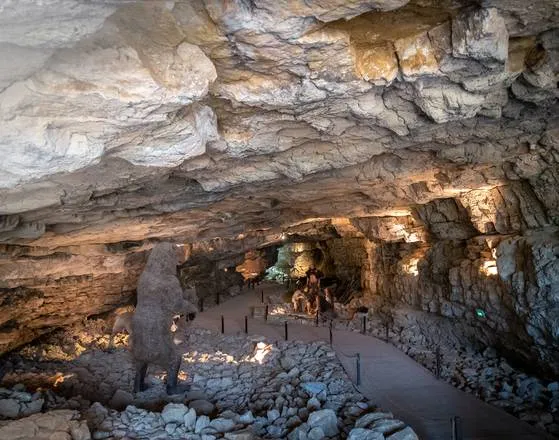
(385, 169)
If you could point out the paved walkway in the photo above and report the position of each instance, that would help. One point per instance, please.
(389, 378)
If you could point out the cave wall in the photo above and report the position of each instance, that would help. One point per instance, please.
(41, 290)
(496, 251)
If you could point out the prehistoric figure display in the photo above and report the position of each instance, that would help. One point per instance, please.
(160, 298)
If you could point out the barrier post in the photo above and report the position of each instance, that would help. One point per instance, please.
(364, 325)
(358, 369)
(456, 424)
(201, 304)
(246, 324)
(438, 356)
(262, 296)
(316, 319)
(217, 297)
(285, 324)
(222, 324)
(266, 313)
(330, 330)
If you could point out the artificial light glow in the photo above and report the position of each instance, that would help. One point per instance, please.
(283, 236)
(411, 267)
(489, 268)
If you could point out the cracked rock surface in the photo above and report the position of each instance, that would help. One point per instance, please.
(425, 131)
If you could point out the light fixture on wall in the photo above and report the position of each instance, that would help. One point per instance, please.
(489, 267)
(480, 313)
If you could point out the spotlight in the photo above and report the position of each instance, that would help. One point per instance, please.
(283, 236)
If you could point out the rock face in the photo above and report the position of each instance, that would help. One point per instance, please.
(426, 133)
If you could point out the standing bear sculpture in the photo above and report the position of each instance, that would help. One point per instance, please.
(159, 299)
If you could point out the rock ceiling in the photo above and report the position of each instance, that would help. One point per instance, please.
(124, 120)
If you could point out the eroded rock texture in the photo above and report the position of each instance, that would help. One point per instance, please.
(427, 131)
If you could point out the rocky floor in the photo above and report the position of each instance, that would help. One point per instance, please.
(483, 374)
(492, 379)
(241, 387)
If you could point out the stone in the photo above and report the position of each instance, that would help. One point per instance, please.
(9, 408)
(53, 424)
(222, 425)
(288, 363)
(202, 407)
(201, 423)
(79, 431)
(247, 418)
(368, 419)
(405, 434)
(245, 434)
(272, 415)
(32, 407)
(364, 434)
(299, 433)
(313, 404)
(386, 426)
(121, 399)
(174, 413)
(314, 388)
(325, 419)
(189, 419)
(315, 434)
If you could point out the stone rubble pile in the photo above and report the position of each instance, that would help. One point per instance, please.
(241, 388)
(485, 375)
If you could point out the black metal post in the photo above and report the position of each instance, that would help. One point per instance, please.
(456, 424)
(438, 356)
(222, 324)
(201, 304)
(364, 325)
(285, 326)
(217, 297)
(330, 329)
(358, 369)
(262, 296)
(266, 313)
(246, 324)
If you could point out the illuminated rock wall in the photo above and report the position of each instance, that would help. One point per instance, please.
(511, 280)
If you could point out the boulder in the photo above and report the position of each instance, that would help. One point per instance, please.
(325, 419)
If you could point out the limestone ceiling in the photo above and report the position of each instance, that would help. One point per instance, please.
(126, 120)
